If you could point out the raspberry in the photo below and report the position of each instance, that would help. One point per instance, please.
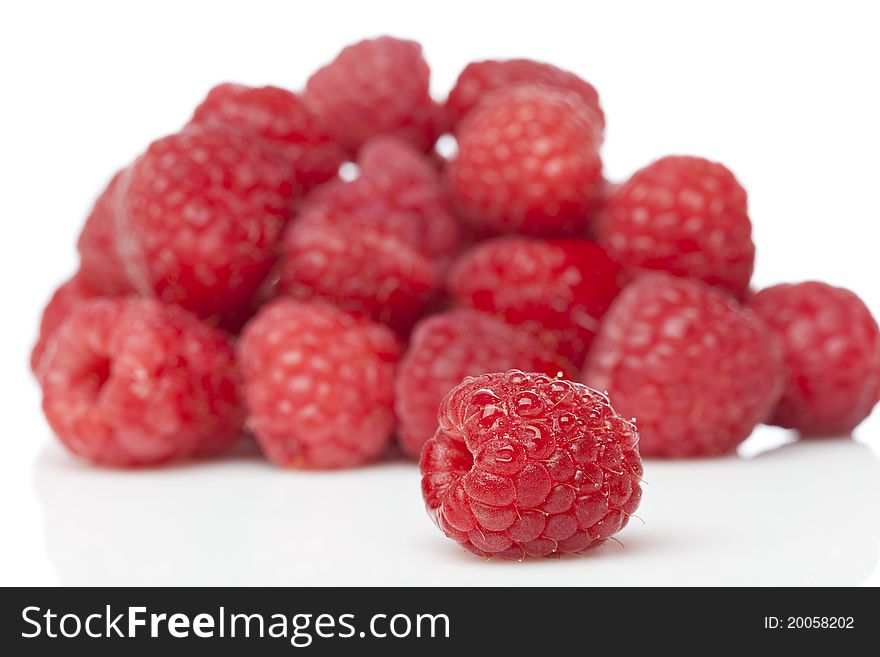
(131, 382)
(203, 210)
(478, 79)
(360, 270)
(525, 465)
(696, 370)
(683, 215)
(100, 263)
(557, 289)
(377, 86)
(832, 356)
(527, 162)
(447, 347)
(397, 193)
(319, 384)
(283, 120)
(68, 296)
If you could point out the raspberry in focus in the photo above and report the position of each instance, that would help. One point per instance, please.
(523, 465)
(479, 79)
(831, 344)
(375, 87)
(130, 382)
(695, 370)
(556, 289)
(528, 162)
(447, 347)
(282, 119)
(100, 263)
(683, 215)
(319, 384)
(203, 211)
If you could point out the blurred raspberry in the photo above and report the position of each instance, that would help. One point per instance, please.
(832, 356)
(100, 263)
(696, 370)
(556, 289)
(479, 79)
(69, 295)
(527, 466)
(203, 211)
(131, 382)
(447, 347)
(528, 162)
(375, 87)
(318, 384)
(683, 215)
(280, 118)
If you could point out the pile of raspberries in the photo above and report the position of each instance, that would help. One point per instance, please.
(236, 279)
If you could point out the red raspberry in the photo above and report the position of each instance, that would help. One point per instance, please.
(133, 382)
(360, 270)
(377, 86)
(832, 356)
(478, 79)
(202, 214)
(446, 348)
(525, 465)
(696, 370)
(283, 120)
(100, 263)
(68, 296)
(557, 289)
(397, 193)
(683, 215)
(528, 162)
(319, 384)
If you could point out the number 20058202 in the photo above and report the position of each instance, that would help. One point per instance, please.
(809, 622)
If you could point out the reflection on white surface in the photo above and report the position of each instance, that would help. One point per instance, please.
(804, 513)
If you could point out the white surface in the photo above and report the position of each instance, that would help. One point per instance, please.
(783, 93)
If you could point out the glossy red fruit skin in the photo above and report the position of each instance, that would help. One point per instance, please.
(100, 263)
(319, 385)
(449, 346)
(69, 295)
(683, 215)
(202, 215)
(523, 465)
(556, 289)
(131, 382)
(528, 162)
(375, 87)
(696, 370)
(281, 119)
(831, 343)
(479, 79)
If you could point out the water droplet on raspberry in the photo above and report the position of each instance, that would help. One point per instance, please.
(516, 377)
(536, 439)
(484, 397)
(558, 391)
(568, 422)
(528, 404)
(490, 415)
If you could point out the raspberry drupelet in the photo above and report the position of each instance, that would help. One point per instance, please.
(523, 465)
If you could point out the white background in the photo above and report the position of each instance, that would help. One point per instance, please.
(785, 94)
